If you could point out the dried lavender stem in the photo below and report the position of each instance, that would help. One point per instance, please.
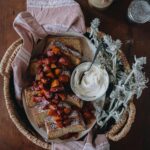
(114, 67)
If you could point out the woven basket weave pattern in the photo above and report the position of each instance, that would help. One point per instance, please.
(116, 133)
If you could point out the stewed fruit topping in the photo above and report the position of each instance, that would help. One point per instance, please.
(52, 83)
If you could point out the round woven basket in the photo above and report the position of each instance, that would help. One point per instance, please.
(117, 132)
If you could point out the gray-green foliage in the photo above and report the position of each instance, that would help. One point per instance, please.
(126, 83)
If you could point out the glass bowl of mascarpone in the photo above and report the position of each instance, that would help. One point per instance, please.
(94, 83)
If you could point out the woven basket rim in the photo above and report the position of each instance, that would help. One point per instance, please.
(6, 72)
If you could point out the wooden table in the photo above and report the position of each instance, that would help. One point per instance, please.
(113, 22)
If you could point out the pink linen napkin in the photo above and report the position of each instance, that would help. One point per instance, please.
(100, 143)
(43, 17)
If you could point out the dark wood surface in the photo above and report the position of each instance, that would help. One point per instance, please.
(113, 22)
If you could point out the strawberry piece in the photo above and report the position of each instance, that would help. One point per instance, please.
(53, 106)
(55, 101)
(57, 71)
(52, 112)
(59, 111)
(52, 59)
(64, 61)
(87, 115)
(36, 88)
(41, 86)
(50, 75)
(50, 53)
(67, 110)
(64, 78)
(44, 81)
(53, 66)
(56, 96)
(57, 118)
(55, 83)
(56, 89)
(46, 107)
(52, 46)
(46, 94)
(60, 124)
(55, 50)
(37, 99)
(62, 96)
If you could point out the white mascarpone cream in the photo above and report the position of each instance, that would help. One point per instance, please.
(94, 83)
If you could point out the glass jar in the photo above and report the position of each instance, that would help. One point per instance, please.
(139, 11)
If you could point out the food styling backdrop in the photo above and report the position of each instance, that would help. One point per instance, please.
(136, 40)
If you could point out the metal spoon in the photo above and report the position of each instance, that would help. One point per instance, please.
(95, 56)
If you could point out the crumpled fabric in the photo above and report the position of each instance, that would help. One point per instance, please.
(42, 18)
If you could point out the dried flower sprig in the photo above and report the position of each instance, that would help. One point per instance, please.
(138, 75)
(112, 48)
(94, 31)
(126, 85)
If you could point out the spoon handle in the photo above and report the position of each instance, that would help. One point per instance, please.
(95, 56)
(96, 53)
